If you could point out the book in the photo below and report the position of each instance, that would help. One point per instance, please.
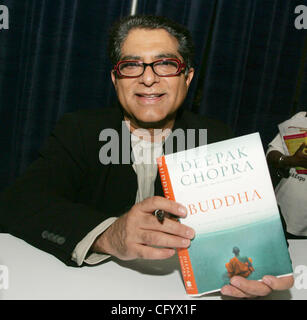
(293, 133)
(293, 142)
(227, 190)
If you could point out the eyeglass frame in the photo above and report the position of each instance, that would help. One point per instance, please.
(181, 67)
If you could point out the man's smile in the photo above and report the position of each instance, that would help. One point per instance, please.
(149, 97)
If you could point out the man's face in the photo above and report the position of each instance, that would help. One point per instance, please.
(149, 99)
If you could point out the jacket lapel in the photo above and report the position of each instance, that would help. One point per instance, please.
(121, 186)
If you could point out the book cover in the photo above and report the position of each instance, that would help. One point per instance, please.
(293, 142)
(227, 190)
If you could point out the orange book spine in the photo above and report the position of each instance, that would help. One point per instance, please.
(183, 254)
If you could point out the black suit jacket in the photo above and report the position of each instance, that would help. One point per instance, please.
(67, 191)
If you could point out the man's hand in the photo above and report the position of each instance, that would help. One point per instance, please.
(137, 233)
(242, 288)
(299, 159)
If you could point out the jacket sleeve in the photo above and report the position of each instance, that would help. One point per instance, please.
(42, 207)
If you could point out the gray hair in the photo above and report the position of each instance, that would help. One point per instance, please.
(119, 32)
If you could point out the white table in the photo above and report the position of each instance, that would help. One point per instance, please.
(34, 274)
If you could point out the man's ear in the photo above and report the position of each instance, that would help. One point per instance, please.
(113, 77)
(189, 76)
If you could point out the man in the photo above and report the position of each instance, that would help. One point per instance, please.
(71, 205)
(239, 265)
(292, 187)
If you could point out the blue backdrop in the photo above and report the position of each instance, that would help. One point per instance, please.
(251, 69)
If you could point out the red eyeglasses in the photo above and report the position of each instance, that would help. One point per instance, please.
(167, 67)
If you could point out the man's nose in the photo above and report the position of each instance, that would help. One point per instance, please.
(149, 77)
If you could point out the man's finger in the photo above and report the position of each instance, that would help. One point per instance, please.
(282, 283)
(169, 226)
(151, 204)
(150, 253)
(302, 147)
(160, 239)
(250, 287)
(232, 291)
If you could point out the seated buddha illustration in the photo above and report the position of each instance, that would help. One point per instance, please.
(239, 265)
